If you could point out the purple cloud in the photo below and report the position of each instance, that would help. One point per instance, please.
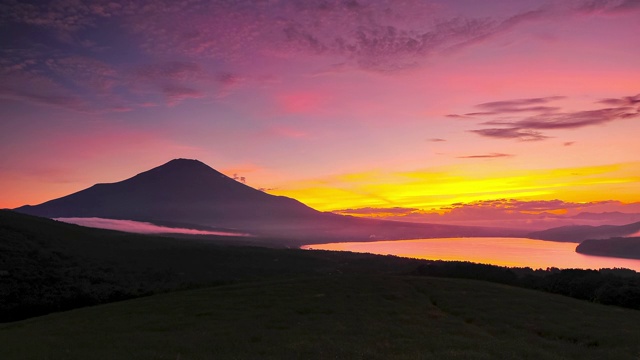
(511, 133)
(457, 116)
(608, 6)
(623, 101)
(572, 120)
(550, 118)
(176, 94)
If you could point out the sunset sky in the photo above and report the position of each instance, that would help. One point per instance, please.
(406, 106)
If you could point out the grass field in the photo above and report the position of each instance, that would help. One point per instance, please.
(334, 317)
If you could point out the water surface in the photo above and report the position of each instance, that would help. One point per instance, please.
(519, 252)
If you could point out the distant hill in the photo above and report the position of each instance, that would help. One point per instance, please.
(623, 247)
(610, 218)
(188, 192)
(579, 233)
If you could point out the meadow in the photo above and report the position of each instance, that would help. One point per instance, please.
(70, 292)
(334, 317)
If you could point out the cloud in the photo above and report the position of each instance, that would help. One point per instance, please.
(65, 41)
(571, 120)
(170, 71)
(176, 94)
(87, 73)
(436, 140)
(608, 6)
(485, 156)
(140, 227)
(178, 81)
(529, 128)
(457, 116)
(376, 212)
(39, 90)
(528, 206)
(511, 133)
(518, 105)
(623, 101)
(511, 213)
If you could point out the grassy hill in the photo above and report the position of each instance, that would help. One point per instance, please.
(288, 303)
(329, 317)
(48, 266)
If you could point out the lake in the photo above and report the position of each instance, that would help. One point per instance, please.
(515, 252)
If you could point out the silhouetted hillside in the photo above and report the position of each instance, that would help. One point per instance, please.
(48, 266)
(579, 233)
(628, 247)
(190, 192)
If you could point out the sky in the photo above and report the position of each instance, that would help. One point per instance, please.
(371, 108)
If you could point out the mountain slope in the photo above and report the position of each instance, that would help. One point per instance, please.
(579, 233)
(189, 192)
(186, 191)
(623, 247)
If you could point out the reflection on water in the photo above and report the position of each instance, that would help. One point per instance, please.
(518, 252)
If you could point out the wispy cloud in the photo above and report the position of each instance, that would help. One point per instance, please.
(377, 212)
(511, 133)
(608, 6)
(485, 156)
(530, 127)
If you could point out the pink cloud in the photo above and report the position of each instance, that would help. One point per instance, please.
(486, 156)
(544, 118)
(141, 227)
(530, 215)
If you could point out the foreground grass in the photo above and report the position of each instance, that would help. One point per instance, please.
(328, 317)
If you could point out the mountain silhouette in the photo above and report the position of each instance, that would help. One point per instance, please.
(579, 233)
(188, 192)
(180, 191)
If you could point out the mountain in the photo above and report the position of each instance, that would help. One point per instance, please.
(608, 218)
(181, 191)
(579, 233)
(188, 192)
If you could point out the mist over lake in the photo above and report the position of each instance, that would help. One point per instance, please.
(518, 252)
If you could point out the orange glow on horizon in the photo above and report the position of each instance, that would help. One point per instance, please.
(435, 189)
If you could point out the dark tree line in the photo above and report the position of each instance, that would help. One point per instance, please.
(620, 287)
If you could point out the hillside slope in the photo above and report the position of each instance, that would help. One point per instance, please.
(623, 247)
(578, 233)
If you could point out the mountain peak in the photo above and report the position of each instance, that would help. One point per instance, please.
(182, 168)
(186, 164)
